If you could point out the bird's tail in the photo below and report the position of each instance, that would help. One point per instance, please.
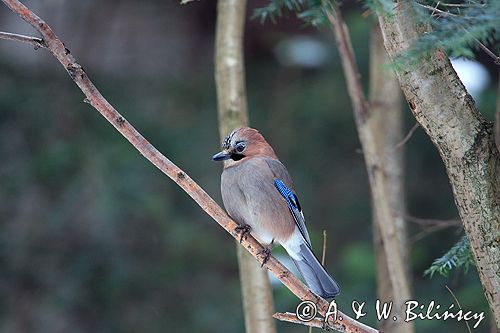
(314, 274)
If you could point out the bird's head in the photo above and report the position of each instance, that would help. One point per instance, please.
(242, 143)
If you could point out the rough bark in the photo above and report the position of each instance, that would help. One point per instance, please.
(386, 120)
(373, 144)
(232, 110)
(497, 115)
(464, 139)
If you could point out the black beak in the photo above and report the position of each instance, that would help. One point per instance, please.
(223, 155)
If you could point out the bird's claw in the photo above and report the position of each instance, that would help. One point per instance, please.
(243, 230)
(266, 254)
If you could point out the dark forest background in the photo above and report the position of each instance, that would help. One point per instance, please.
(93, 238)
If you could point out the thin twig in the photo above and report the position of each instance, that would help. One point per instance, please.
(36, 42)
(459, 306)
(437, 10)
(462, 5)
(490, 53)
(324, 248)
(78, 75)
(407, 137)
(430, 226)
(431, 222)
(429, 230)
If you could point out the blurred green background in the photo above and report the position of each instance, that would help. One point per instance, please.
(93, 238)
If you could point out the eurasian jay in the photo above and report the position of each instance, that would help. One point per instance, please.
(258, 193)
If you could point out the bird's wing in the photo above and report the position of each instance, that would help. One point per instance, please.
(294, 206)
(281, 179)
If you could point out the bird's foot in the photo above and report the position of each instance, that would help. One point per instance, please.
(266, 254)
(243, 230)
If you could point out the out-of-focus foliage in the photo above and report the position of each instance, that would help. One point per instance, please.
(458, 256)
(309, 11)
(457, 28)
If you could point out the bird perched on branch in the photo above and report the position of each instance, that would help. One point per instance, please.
(259, 194)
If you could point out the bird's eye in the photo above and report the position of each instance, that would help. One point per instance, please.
(240, 147)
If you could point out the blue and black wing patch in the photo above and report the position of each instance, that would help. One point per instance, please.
(294, 206)
(289, 196)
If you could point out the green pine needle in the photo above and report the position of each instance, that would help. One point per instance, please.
(456, 30)
(309, 11)
(458, 256)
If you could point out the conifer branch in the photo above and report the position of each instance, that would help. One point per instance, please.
(459, 255)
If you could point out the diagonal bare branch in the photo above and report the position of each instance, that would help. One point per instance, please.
(95, 98)
(351, 72)
(408, 136)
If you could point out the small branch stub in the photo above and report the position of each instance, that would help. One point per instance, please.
(292, 318)
(36, 42)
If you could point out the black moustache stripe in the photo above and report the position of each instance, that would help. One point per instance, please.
(237, 157)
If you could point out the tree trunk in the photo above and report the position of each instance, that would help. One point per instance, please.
(464, 139)
(386, 119)
(373, 143)
(497, 115)
(232, 110)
